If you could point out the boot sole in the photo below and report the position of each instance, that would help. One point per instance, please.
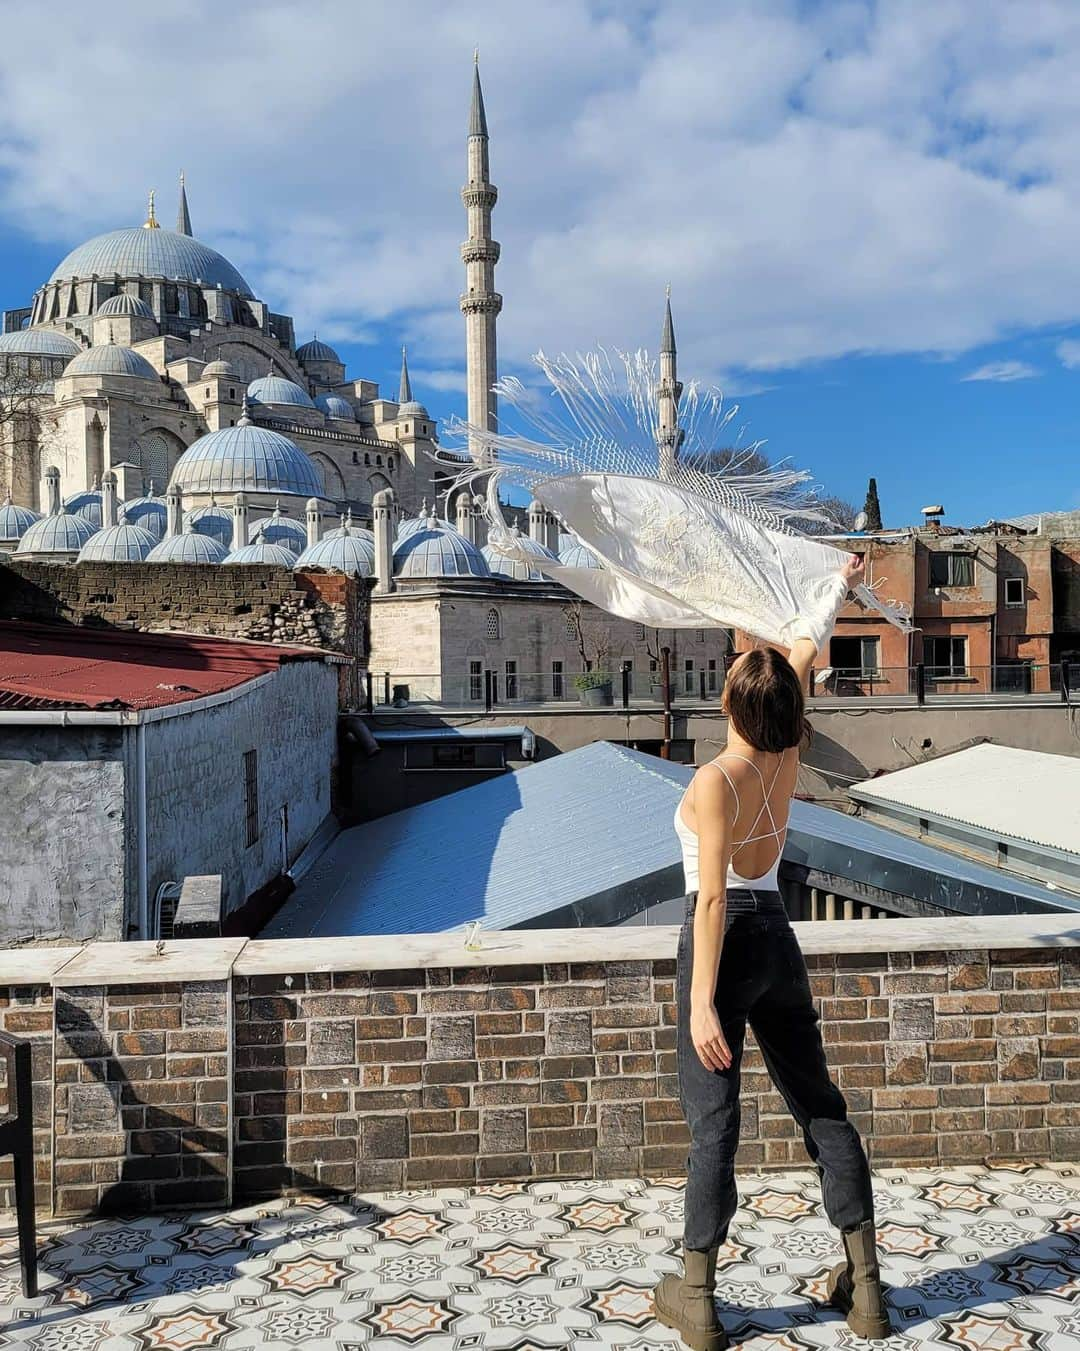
(696, 1339)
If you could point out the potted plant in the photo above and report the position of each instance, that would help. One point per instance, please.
(594, 688)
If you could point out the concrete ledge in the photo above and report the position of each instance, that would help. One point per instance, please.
(33, 966)
(218, 958)
(143, 964)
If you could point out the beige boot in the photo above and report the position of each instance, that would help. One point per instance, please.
(855, 1285)
(685, 1302)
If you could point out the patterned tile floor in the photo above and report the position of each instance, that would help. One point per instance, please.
(983, 1259)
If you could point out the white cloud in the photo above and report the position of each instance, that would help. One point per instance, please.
(1004, 372)
(448, 379)
(1068, 351)
(813, 180)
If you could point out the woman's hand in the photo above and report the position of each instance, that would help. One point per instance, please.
(708, 1038)
(854, 571)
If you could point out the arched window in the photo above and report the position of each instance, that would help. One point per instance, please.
(492, 629)
(155, 453)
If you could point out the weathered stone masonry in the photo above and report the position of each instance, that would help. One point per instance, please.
(349, 1072)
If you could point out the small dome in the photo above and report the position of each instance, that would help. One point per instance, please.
(438, 551)
(278, 529)
(148, 513)
(109, 359)
(188, 548)
(513, 569)
(260, 551)
(118, 544)
(87, 505)
(333, 405)
(573, 554)
(350, 551)
(412, 409)
(138, 252)
(275, 389)
(38, 342)
(220, 367)
(15, 521)
(246, 458)
(411, 524)
(213, 521)
(60, 533)
(129, 307)
(316, 351)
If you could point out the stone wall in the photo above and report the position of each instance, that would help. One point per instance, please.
(404, 1061)
(265, 604)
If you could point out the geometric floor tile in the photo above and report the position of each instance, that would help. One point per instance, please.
(974, 1259)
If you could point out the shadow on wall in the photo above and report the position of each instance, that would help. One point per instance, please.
(833, 763)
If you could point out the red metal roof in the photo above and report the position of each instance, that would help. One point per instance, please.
(46, 666)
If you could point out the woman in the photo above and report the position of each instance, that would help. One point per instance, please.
(739, 962)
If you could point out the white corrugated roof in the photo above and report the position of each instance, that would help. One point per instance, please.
(1010, 793)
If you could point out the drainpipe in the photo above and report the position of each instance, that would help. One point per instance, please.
(142, 881)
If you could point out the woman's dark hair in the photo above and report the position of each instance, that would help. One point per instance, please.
(765, 701)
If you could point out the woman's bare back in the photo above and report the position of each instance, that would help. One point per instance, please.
(763, 785)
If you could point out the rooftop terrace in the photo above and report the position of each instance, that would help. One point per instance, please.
(975, 1257)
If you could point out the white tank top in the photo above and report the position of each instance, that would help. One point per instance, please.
(690, 846)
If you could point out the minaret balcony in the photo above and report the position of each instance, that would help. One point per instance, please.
(480, 194)
(481, 302)
(480, 251)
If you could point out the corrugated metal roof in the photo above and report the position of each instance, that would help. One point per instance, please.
(448, 733)
(547, 844)
(44, 666)
(1006, 792)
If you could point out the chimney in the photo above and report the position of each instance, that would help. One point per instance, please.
(174, 514)
(314, 521)
(466, 516)
(480, 530)
(536, 521)
(383, 510)
(52, 490)
(239, 522)
(108, 499)
(932, 516)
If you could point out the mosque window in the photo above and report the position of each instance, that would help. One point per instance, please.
(556, 680)
(367, 458)
(207, 391)
(571, 626)
(389, 461)
(232, 392)
(146, 292)
(172, 300)
(476, 680)
(355, 458)
(378, 460)
(511, 680)
(493, 624)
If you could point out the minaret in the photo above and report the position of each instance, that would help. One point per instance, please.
(404, 387)
(480, 303)
(183, 216)
(668, 392)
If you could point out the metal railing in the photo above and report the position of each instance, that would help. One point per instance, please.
(486, 688)
(17, 1139)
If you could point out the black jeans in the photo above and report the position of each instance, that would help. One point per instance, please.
(762, 980)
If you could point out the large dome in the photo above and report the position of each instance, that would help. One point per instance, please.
(140, 252)
(15, 521)
(246, 458)
(317, 351)
(38, 342)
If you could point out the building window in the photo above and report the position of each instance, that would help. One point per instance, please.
(367, 457)
(628, 667)
(355, 457)
(492, 628)
(232, 393)
(1014, 591)
(699, 634)
(557, 680)
(378, 460)
(251, 797)
(476, 680)
(952, 569)
(570, 626)
(511, 680)
(207, 391)
(854, 658)
(688, 675)
(712, 676)
(453, 757)
(945, 658)
(641, 633)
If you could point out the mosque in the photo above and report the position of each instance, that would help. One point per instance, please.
(158, 412)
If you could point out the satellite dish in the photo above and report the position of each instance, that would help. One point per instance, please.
(860, 521)
(820, 677)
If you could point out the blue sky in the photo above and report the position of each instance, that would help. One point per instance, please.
(868, 212)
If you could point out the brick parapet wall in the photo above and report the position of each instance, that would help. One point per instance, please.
(358, 1076)
(265, 604)
(26, 1011)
